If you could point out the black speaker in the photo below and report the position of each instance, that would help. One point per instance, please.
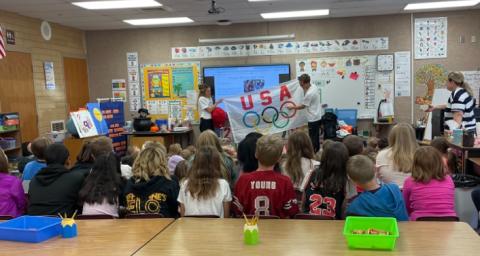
(437, 122)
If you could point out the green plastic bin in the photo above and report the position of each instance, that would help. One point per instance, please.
(371, 242)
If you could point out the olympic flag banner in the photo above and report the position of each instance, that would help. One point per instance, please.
(266, 111)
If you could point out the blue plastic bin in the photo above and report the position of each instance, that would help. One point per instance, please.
(30, 229)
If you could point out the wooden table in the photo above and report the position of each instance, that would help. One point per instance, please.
(475, 160)
(96, 237)
(184, 138)
(189, 236)
(466, 153)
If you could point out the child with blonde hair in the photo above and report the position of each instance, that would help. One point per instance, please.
(394, 163)
(205, 192)
(152, 189)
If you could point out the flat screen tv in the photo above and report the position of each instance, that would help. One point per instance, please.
(228, 81)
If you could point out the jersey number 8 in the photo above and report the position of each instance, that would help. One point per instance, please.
(262, 204)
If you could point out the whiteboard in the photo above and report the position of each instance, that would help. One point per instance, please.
(351, 82)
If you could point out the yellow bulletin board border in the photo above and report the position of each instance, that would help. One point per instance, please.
(160, 76)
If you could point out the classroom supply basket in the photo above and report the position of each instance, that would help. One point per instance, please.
(8, 143)
(368, 241)
(30, 229)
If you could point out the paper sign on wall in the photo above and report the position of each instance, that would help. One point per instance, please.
(281, 48)
(402, 74)
(431, 38)
(473, 79)
(175, 109)
(119, 89)
(49, 75)
(134, 89)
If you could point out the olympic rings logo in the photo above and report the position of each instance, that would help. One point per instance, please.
(270, 115)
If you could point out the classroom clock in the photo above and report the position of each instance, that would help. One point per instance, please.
(385, 62)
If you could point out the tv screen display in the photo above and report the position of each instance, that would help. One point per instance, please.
(237, 80)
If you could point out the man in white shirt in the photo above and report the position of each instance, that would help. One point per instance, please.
(313, 109)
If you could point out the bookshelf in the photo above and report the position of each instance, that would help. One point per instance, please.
(10, 136)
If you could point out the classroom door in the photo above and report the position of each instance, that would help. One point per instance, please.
(76, 83)
(17, 93)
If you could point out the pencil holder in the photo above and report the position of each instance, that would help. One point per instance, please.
(250, 234)
(69, 228)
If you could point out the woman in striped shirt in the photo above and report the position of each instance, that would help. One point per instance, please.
(459, 112)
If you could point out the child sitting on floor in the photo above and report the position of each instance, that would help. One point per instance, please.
(204, 192)
(448, 158)
(376, 200)
(102, 187)
(39, 145)
(265, 192)
(354, 144)
(326, 188)
(429, 192)
(372, 148)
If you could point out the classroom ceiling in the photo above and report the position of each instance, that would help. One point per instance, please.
(237, 11)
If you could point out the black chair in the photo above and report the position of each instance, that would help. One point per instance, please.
(447, 218)
(265, 217)
(95, 217)
(306, 216)
(202, 216)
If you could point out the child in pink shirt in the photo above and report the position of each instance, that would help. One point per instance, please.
(429, 192)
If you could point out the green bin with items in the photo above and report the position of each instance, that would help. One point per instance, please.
(372, 233)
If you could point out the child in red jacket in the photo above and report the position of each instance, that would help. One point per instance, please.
(265, 192)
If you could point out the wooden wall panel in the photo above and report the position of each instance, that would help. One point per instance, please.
(17, 93)
(76, 83)
(66, 42)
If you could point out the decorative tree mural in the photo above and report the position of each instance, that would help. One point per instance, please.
(431, 76)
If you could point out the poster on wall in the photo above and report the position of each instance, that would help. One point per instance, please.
(134, 89)
(281, 48)
(431, 38)
(157, 83)
(182, 81)
(473, 79)
(114, 115)
(49, 75)
(119, 89)
(402, 74)
(84, 123)
(175, 109)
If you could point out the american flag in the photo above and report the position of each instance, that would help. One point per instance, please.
(3, 52)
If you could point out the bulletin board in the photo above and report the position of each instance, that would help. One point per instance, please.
(350, 82)
(170, 90)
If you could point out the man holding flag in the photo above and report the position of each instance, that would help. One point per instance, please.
(313, 109)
